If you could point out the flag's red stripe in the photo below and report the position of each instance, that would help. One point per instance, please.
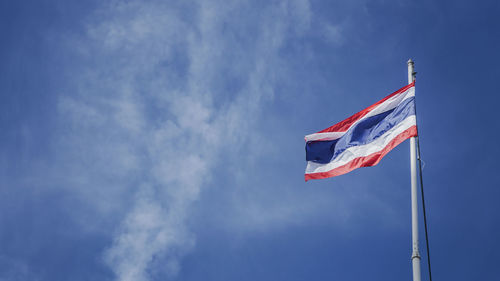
(344, 125)
(366, 161)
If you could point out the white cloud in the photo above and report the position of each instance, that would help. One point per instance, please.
(150, 114)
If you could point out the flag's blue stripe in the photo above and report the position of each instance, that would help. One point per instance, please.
(362, 133)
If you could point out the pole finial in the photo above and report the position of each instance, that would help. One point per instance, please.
(411, 71)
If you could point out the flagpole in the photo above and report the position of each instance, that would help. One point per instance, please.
(415, 256)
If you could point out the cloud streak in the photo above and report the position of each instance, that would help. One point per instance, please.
(163, 91)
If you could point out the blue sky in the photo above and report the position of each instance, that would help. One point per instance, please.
(163, 140)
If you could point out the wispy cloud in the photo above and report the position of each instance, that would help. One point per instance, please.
(162, 92)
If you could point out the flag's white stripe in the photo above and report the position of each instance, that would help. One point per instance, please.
(383, 107)
(362, 150)
(325, 136)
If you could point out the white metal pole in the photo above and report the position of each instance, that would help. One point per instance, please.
(415, 256)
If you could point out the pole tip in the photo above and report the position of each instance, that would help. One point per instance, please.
(410, 61)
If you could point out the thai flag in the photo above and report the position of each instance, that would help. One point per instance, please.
(363, 139)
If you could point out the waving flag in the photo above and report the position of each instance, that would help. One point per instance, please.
(363, 139)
